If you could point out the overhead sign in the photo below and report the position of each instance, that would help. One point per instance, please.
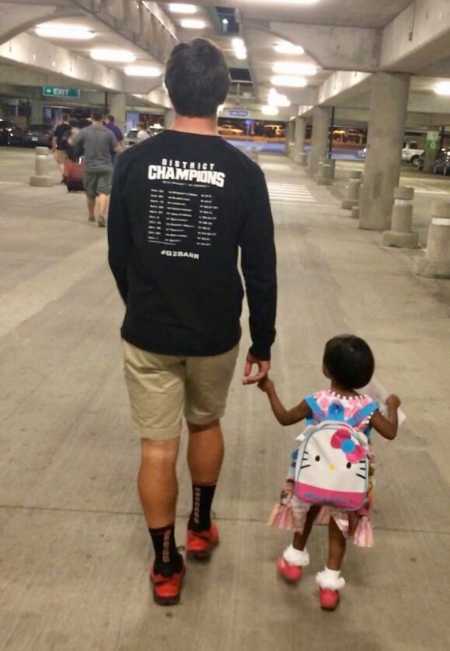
(237, 113)
(60, 93)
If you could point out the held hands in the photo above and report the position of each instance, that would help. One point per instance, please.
(393, 402)
(266, 385)
(263, 367)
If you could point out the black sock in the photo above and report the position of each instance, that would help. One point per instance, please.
(202, 497)
(168, 560)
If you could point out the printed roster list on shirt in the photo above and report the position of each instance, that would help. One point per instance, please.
(183, 215)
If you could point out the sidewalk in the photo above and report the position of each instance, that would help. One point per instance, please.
(73, 549)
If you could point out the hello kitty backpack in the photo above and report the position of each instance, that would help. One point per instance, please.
(332, 466)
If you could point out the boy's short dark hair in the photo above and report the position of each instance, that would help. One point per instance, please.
(197, 78)
(349, 361)
(111, 118)
(97, 115)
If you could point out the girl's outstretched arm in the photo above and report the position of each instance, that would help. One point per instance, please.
(387, 426)
(284, 416)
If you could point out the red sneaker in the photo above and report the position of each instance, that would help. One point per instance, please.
(329, 599)
(167, 589)
(200, 544)
(290, 573)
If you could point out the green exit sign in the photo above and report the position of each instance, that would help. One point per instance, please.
(61, 93)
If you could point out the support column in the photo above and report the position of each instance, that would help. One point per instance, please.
(290, 138)
(299, 146)
(389, 102)
(320, 138)
(431, 150)
(118, 108)
(37, 111)
(169, 117)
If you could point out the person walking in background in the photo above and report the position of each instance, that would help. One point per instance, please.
(112, 126)
(97, 145)
(61, 137)
(183, 203)
(142, 133)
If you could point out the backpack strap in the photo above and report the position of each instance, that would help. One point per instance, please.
(318, 413)
(363, 414)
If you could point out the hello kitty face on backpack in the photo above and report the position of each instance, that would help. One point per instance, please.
(332, 467)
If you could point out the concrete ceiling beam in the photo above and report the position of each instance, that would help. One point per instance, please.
(142, 23)
(19, 17)
(334, 48)
(418, 37)
(39, 54)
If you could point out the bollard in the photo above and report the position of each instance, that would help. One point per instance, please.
(326, 172)
(43, 163)
(401, 234)
(355, 212)
(352, 191)
(436, 263)
(301, 159)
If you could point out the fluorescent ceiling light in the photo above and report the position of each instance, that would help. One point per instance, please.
(239, 49)
(442, 88)
(112, 55)
(288, 81)
(180, 8)
(288, 48)
(64, 31)
(277, 99)
(269, 110)
(142, 71)
(289, 68)
(193, 23)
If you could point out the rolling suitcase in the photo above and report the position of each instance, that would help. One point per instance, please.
(73, 176)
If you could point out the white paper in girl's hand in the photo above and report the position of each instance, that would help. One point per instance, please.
(378, 392)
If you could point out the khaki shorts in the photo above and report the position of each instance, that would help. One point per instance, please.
(97, 182)
(164, 388)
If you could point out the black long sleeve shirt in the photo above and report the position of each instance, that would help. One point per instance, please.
(181, 207)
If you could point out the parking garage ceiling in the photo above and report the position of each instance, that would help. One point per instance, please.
(148, 30)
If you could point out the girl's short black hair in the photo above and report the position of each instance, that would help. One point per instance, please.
(349, 361)
(197, 78)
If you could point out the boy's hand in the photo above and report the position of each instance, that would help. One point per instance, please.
(266, 384)
(393, 402)
(263, 367)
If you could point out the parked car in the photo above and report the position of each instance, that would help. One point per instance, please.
(442, 163)
(10, 134)
(38, 135)
(410, 154)
(131, 137)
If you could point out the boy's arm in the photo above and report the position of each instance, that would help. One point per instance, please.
(284, 416)
(387, 426)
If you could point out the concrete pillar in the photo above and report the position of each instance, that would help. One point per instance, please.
(42, 177)
(118, 108)
(326, 171)
(169, 117)
(300, 156)
(387, 118)
(436, 263)
(401, 234)
(37, 111)
(352, 191)
(431, 150)
(320, 138)
(290, 139)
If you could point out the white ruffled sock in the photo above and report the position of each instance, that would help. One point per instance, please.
(330, 579)
(296, 556)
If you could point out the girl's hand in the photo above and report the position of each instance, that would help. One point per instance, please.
(266, 385)
(393, 402)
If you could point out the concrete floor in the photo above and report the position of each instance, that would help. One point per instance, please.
(73, 545)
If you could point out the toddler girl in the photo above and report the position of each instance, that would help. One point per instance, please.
(349, 364)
